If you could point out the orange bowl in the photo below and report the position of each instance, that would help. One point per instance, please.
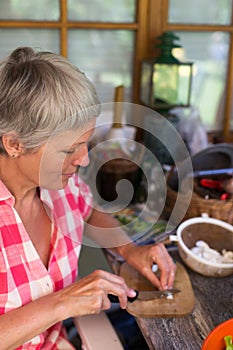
(215, 340)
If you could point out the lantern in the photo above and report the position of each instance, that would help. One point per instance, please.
(166, 81)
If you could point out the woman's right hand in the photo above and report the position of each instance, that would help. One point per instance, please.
(86, 296)
(89, 295)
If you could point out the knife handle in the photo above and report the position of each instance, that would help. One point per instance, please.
(115, 299)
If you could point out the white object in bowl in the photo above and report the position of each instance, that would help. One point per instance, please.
(218, 234)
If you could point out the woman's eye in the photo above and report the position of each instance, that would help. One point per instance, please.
(70, 151)
(76, 148)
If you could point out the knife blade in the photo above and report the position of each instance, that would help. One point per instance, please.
(146, 295)
(156, 294)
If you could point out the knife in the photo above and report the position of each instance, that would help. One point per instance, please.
(146, 295)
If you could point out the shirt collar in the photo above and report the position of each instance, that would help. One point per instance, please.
(5, 194)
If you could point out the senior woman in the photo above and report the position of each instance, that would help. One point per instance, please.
(47, 115)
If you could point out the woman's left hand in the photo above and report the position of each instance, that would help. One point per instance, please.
(142, 259)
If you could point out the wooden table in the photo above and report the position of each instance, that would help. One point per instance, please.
(213, 305)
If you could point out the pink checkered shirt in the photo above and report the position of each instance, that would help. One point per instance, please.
(23, 276)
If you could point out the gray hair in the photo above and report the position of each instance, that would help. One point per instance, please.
(42, 93)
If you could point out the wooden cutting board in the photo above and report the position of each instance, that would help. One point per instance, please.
(182, 303)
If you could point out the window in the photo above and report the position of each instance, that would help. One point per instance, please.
(98, 36)
(205, 29)
(108, 39)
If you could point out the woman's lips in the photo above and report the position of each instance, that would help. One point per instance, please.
(68, 175)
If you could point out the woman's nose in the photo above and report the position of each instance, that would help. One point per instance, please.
(81, 159)
(85, 161)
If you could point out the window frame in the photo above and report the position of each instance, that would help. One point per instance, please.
(151, 20)
(225, 134)
(140, 26)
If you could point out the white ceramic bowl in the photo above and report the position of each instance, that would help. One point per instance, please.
(216, 233)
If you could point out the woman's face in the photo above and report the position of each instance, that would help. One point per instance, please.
(61, 157)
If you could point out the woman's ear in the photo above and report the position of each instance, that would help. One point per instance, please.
(12, 145)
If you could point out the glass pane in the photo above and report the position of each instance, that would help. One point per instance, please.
(45, 39)
(106, 57)
(209, 53)
(200, 11)
(102, 10)
(40, 10)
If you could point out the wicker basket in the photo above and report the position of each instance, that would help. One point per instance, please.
(219, 209)
(195, 203)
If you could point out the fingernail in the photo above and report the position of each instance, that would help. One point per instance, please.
(132, 293)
